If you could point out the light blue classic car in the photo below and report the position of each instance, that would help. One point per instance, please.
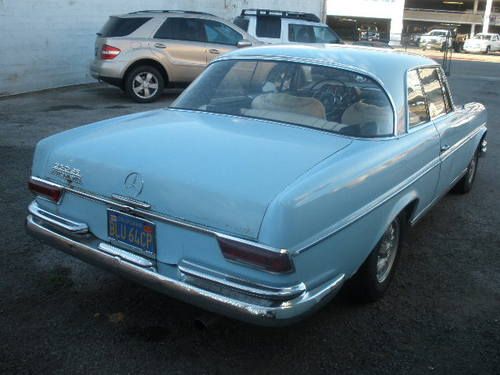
(281, 173)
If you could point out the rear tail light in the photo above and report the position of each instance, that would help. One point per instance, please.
(109, 52)
(269, 260)
(53, 192)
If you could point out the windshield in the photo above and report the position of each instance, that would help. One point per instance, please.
(319, 97)
(482, 37)
(311, 34)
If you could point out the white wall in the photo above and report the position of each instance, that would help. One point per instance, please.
(388, 9)
(49, 43)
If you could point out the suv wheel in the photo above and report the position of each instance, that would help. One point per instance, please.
(144, 84)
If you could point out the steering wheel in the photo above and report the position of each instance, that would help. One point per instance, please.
(332, 96)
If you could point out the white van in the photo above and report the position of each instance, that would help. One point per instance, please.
(276, 26)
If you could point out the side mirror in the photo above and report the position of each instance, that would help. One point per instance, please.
(244, 43)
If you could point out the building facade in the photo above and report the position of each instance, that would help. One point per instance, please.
(389, 20)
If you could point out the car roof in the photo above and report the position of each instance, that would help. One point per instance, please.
(167, 13)
(387, 66)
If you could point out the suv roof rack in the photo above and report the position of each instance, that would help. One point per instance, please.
(171, 11)
(281, 13)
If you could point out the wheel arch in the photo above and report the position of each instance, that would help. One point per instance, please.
(146, 61)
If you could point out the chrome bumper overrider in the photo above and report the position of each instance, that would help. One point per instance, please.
(194, 284)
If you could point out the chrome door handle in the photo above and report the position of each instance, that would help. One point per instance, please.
(214, 51)
(160, 45)
(445, 148)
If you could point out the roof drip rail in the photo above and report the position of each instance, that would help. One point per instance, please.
(281, 13)
(171, 11)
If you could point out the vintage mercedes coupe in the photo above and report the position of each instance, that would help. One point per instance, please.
(281, 173)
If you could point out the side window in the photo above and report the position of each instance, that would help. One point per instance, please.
(301, 33)
(268, 27)
(433, 89)
(220, 33)
(182, 29)
(417, 106)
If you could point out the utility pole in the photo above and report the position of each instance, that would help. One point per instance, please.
(487, 13)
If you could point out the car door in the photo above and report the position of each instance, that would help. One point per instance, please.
(221, 38)
(180, 45)
(451, 125)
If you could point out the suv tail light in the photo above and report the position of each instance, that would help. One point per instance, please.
(109, 52)
(268, 260)
(53, 192)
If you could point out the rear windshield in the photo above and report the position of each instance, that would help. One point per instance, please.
(319, 97)
(116, 26)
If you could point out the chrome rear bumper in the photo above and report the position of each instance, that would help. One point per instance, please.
(236, 298)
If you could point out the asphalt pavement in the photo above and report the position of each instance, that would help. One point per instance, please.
(59, 315)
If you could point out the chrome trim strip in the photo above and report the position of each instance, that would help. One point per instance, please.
(131, 201)
(57, 221)
(363, 211)
(240, 285)
(461, 142)
(154, 216)
(125, 255)
(278, 313)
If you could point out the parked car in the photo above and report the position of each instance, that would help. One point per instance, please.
(483, 43)
(279, 174)
(437, 38)
(144, 52)
(276, 26)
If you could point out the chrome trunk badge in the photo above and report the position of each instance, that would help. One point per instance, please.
(70, 174)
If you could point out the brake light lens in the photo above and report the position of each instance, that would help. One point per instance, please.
(109, 52)
(44, 189)
(268, 260)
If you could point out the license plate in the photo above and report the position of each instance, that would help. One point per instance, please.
(132, 231)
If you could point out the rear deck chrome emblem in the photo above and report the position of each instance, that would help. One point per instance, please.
(134, 184)
(70, 174)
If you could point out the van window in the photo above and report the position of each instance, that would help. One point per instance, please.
(268, 27)
(242, 23)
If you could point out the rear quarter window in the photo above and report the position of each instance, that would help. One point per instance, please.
(117, 26)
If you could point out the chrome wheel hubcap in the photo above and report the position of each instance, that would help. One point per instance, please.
(387, 251)
(145, 85)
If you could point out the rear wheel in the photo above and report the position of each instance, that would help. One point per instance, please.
(465, 184)
(144, 84)
(373, 278)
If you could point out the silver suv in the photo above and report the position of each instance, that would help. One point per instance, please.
(144, 52)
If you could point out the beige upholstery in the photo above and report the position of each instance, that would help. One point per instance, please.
(361, 113)
(289, 103)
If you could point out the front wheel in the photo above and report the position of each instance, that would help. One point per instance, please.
(144, 84)
(373, 278)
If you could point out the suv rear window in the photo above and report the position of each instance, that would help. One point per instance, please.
(268, 27)
(242, 23)
(117, 26)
